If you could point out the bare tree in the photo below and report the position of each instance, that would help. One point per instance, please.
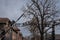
(45, 14)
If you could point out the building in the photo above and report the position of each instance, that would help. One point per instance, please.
(57, 37)
(7, 32)
(37, 37)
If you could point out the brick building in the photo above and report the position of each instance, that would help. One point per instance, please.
(7, 32)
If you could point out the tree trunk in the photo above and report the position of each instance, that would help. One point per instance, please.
(42, 29)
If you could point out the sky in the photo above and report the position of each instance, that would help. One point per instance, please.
(12, 9)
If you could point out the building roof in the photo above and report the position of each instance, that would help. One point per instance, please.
(4, 20)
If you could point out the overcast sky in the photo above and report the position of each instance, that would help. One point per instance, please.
(12, 9)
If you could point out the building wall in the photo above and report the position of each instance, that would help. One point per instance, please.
(14, 35)
(19, 36)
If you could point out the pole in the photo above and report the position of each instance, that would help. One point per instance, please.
(53, 31)
(10, 34)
